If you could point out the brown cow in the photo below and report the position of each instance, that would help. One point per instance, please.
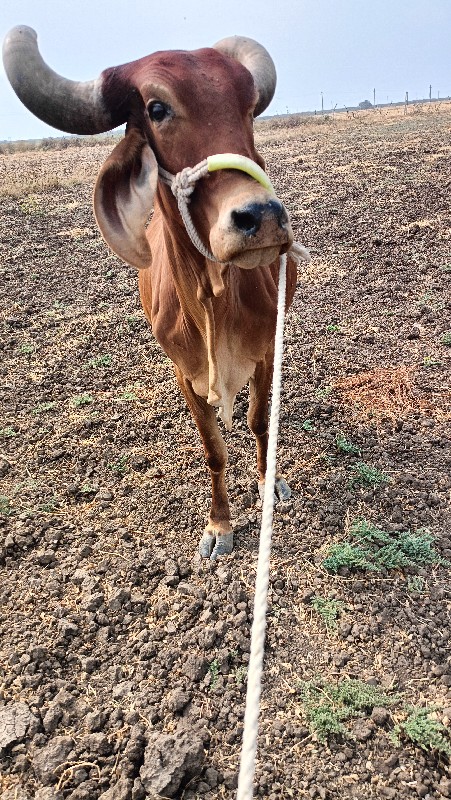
(214, 319)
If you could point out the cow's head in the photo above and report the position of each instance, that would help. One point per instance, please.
(180, 107)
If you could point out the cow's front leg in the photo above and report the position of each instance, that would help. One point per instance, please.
(217, 539)
(258, 421)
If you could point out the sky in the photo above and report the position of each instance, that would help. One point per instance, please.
(335, 51)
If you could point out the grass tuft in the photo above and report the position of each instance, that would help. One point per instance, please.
(365, 475)
(329, 610)
(327, 706)
(423, 730)
(372, 549)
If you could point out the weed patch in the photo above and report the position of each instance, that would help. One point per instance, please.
(81, 400)
(366, 475)
(343, 445)
(329, 610)
(371, 549)
(423, 730)
(327, 707)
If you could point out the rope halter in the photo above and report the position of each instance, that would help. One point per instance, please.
(182, 186)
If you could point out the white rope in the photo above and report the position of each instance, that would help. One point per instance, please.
(182, 186)
(250, 732)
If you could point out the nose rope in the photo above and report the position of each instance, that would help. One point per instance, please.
(182, 186)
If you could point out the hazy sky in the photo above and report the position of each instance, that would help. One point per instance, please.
(343, 48)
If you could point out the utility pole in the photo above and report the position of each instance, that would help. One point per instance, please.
(374, 98)
(430, 92)
(322, 103)
(406, 102)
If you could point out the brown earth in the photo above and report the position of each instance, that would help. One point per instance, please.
(123, 656)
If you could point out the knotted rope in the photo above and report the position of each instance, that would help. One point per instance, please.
(182, 186)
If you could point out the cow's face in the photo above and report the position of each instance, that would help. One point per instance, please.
(180, 108)
(188, 106)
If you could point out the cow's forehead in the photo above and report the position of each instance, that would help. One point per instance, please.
(193, 76)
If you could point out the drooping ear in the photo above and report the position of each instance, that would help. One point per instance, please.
(123, 198)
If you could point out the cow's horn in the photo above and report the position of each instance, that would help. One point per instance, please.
(259, 63)
(70, 106)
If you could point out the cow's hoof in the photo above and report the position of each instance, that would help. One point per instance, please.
(223, 546)
(214, 545)
(207, 544)
(281, 490)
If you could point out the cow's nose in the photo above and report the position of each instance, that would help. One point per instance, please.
(248, 219)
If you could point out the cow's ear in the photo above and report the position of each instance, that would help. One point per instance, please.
(123, 198)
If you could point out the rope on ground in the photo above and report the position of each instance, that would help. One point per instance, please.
(254, 677)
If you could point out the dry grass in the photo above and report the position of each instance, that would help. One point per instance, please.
(390, 393)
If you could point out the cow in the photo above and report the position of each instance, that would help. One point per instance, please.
(213, 313)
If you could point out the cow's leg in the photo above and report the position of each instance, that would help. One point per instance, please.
(217, 539)
(258, 421)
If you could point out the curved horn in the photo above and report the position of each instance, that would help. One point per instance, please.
(257, 60)
(70, 106)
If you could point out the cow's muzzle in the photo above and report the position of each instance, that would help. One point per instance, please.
(248, 220)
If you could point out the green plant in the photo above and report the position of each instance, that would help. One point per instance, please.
(42, 407)
(345, 446)
(371, 549)
(240, 675)
(323, 393)
(26, 348)
(365, 475)
(100, 361)
(329, 610)
(30, 205)
(8, 432)
(5, 505)
(119, 466)
(81, 400)
(308, 425)
(429, 361)
(127, 396)
(415, 584)
(327, 706)
(423, 730)
(332, 328)
(87, 488)
(446, 339)
(50, 506)
(214, 672)
(132, 321)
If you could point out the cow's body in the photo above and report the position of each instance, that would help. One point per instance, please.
(215, 319)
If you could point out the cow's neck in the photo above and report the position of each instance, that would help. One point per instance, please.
(204, 291)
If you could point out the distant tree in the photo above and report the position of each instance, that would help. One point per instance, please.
(365, 104)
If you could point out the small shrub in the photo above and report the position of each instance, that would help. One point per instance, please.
(329, 610)
(423, 730)
(119, 466)
(8, 432)
(100, 361)
(308, 425)
(372, 549)
(327, 706)
(81, 400)
(41, 408)
(446, 339)
(365, 475)
(343, 445)
(214, 672)
(5, 505)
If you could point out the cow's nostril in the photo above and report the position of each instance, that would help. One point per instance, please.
(248, 221)
(249, 218)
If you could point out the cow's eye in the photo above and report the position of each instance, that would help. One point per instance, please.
(158, 111)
